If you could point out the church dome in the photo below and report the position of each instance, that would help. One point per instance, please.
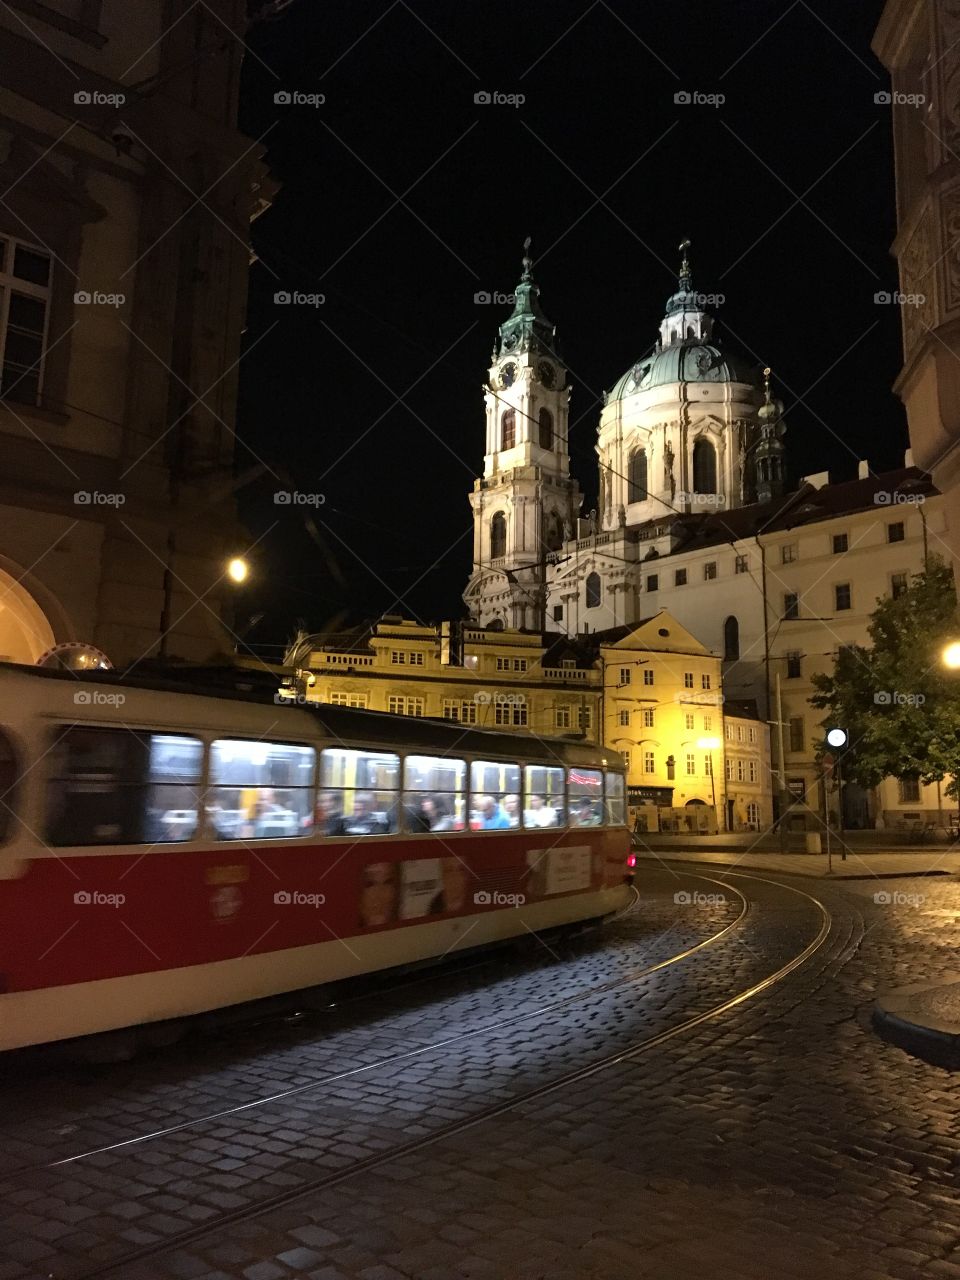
(687, 361)
(685, 351)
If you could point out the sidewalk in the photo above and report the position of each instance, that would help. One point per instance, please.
(859, 865)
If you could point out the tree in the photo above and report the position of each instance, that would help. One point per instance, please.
(899, 705)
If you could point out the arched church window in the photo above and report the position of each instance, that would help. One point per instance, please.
(704, 467)
(690, 332)
(637, 476)
(731, 639)
(545, 421)
(593, 590)
(498, 536)
(508, 430)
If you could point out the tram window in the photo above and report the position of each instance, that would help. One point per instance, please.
(120, 786)
(542, 796)
(616, 800)
(8, 778)
(433, 793)
(259, 790)
(585, 797)
(494, 795)
(358, 792)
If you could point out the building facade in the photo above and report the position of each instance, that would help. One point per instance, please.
(695, 521)
(124, 236)
(918, 41)
(650, 692)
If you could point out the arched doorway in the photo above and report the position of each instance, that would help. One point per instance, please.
(25, 632)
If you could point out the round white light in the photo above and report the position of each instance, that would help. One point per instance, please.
(951, 656)
(238, 569)
(837, 737)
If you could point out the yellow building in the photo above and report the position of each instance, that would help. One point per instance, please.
(545, 685)
(651, 690)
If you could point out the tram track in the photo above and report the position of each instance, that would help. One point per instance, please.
(399, 1151)
(631, 978)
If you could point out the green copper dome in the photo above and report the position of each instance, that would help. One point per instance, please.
(685, 361)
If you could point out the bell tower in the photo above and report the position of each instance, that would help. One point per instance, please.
(526, 504)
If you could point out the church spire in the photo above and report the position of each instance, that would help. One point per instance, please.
(527, 328)
(770, 448)
(685, 319)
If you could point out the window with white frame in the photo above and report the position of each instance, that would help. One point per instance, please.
(688, 720)
(340, 699)
(626, 757)
(561, 717)
(729, 769)
(707, 723)
(648, 762)
(404, 705)
(754, 733)
(648, 675)
(25, 274)
(623, 718)
(691, 764)
(461, 709)
(740, 771)
(688, 679)
(649, 715)
(704, 682)
(753, 770)
(624, 675)
(586, 719)
(511, 713)
(753, 813)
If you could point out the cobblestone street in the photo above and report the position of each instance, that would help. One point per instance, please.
(607, 1108)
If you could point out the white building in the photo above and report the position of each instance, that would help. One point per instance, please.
(694, 520)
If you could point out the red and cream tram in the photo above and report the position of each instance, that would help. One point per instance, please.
(166, 851)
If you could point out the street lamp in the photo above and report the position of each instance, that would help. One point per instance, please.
(238, 570)
(950, 657)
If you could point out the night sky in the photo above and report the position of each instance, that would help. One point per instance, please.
(401, 198)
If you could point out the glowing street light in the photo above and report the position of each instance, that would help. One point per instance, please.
(950, 657)
(238, 570)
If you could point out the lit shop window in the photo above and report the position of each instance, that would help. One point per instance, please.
(494, 795)
(358, 792)
(585, 797)
(259, 790)
(542, 796)
(434, 796)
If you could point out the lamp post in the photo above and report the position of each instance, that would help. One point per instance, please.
(710, 745)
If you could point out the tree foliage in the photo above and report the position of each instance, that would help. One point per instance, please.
(899, 704)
